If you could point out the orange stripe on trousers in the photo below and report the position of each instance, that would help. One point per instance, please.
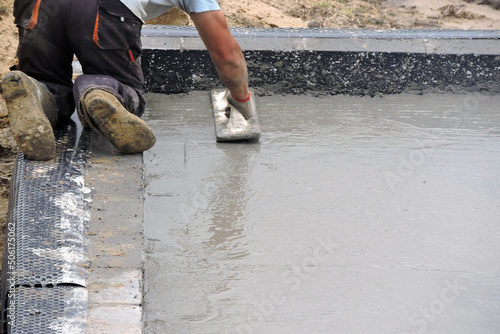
(95, 36)
(34, 16)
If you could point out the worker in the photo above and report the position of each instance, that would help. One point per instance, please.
(105, 37)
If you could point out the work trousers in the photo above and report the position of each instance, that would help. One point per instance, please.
(103, 34)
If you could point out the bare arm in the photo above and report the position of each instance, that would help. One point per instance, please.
(224, 50)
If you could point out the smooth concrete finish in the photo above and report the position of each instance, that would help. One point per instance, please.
(115, 240)
(351, 215)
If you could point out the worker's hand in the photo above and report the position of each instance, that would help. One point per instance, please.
(245, 107)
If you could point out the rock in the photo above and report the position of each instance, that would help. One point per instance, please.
(8, 144)
(4, 121)
(313, 24)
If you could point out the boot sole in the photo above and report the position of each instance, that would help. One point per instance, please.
(30, 127)
(127, 132)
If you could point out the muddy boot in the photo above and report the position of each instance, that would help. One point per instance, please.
(102, 111)
(32, 114)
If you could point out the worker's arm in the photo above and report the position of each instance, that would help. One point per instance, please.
(224, 50)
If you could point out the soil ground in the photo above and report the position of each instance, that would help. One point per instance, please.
(373, 14)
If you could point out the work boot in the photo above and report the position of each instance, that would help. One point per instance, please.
(103, 111)
(32, 115)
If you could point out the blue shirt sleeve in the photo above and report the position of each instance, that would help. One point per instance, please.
(199, 6)
(149, 9)
(189, 6)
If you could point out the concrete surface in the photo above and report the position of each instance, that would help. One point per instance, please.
(115, 240)
(351, 215)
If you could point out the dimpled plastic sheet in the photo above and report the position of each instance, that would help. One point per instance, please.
(62, 309)
(46, 245)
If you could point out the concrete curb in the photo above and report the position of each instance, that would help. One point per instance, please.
(115, 240)
(346, 40)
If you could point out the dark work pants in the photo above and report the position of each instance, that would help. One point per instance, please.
(103, 34)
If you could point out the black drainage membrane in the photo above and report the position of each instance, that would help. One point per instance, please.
(44, 269)
(45, 264)
(331, 61)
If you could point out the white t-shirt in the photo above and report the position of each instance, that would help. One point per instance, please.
(149, 9)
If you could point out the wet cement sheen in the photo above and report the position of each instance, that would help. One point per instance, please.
(351, 215)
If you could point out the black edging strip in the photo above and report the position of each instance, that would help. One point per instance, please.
(364, 72)
(325, 72)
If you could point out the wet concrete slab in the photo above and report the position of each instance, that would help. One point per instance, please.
(350, 215)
